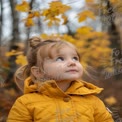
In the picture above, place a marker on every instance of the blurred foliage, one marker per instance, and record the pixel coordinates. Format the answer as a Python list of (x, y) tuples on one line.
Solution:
[(93, 46)]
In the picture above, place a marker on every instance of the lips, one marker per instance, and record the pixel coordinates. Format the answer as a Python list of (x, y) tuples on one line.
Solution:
[(72, 70)]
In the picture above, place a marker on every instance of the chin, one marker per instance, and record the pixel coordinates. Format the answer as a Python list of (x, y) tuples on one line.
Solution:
[(72, 79)]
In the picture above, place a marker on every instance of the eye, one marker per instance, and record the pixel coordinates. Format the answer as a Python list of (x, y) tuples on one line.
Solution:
[(60, 59), (76, 58)]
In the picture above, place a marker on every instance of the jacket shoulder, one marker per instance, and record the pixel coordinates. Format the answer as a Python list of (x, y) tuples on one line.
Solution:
[(29, 98)]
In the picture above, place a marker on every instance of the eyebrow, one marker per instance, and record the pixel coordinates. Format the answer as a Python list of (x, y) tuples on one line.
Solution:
[(75, 54)]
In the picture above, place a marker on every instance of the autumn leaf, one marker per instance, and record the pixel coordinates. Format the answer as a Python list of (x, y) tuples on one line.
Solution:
[(57, 5), (89, 1), (21, 60), (84, 30), (65, 19), (29, 22), (85, 14), (23, 7), (50, 23), (12, 53), (56, 9), (111, 100), (31, 15), (113, 1), (36, 13), (43, 35)]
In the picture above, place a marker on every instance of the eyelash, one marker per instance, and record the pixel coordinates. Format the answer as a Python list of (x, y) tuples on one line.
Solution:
[(76, 58), (62, 59)]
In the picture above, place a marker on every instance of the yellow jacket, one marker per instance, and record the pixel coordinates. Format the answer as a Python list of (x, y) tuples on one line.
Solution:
[(48, 103)]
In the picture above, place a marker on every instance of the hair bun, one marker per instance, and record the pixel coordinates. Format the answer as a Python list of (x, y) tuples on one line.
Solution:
[(34, 41)]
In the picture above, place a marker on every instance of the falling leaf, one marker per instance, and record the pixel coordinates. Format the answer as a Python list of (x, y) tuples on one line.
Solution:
[(21, 60), (23, 7), (12, 53), (111, 100), (85, 14)]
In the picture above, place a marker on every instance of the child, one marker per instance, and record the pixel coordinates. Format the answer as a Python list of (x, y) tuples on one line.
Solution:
[(53, 89)]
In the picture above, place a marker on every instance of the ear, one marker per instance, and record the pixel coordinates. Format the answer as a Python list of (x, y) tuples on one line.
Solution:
[(36, 72)]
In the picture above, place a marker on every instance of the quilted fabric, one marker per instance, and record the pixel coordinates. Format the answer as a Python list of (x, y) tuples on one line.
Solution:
[(46, 102)]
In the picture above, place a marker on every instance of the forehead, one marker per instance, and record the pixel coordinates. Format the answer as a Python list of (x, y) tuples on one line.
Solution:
[(58, 48), (64, 50)]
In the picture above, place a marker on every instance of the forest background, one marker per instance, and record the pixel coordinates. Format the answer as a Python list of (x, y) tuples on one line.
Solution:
[(94, 26)]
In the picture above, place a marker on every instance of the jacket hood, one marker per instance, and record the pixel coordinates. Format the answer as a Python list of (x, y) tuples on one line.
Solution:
[(50, 88)]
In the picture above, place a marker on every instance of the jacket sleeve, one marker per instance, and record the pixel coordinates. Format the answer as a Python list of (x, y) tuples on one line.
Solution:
[(101, 113), (19, 113)]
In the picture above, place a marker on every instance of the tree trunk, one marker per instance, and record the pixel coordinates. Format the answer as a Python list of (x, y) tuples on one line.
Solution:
[(28, 29), (109, 24), (1, 23), (15, 22)]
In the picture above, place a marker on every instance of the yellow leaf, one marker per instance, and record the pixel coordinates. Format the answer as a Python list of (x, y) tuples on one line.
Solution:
[(8, 54), (37, 14), (45, 12), (12, 53), (50, 23), (113, 1), (56, 9), (23, 7), (44, 36), (21, 60), (29, 22), (88, 1), (31, 15), (85, 14), (65, 19), (84, 30), (57, 5), (82, 18), (111, 100)]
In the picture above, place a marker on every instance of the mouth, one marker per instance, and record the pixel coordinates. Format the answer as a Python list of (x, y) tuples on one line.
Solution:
[(72, 70)]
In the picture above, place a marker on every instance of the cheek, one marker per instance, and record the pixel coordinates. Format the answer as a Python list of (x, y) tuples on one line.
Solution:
[(80, 68), (60, 66)]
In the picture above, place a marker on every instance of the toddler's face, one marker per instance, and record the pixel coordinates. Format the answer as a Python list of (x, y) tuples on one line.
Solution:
[(64, 65)]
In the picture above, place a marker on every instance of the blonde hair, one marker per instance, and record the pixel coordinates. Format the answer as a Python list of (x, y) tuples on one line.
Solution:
[(38, 51)]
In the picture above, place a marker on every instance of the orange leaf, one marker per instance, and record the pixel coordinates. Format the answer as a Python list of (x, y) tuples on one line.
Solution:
[(29, 22), (65, 19), (23, 7), (36, 14), (89, 1), (21, 60), (111, 100), (12, 53), (113, 1), (31, 15), (85, 14), (50, 23), (84, 30)]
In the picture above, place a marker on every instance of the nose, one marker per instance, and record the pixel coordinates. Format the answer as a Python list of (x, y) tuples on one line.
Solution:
[(71, 63)]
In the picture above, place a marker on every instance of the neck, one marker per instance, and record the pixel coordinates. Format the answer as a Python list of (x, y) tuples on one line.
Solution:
[(63, 85)]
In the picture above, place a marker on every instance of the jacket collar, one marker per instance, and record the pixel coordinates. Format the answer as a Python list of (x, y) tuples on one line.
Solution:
[(51, 89)]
